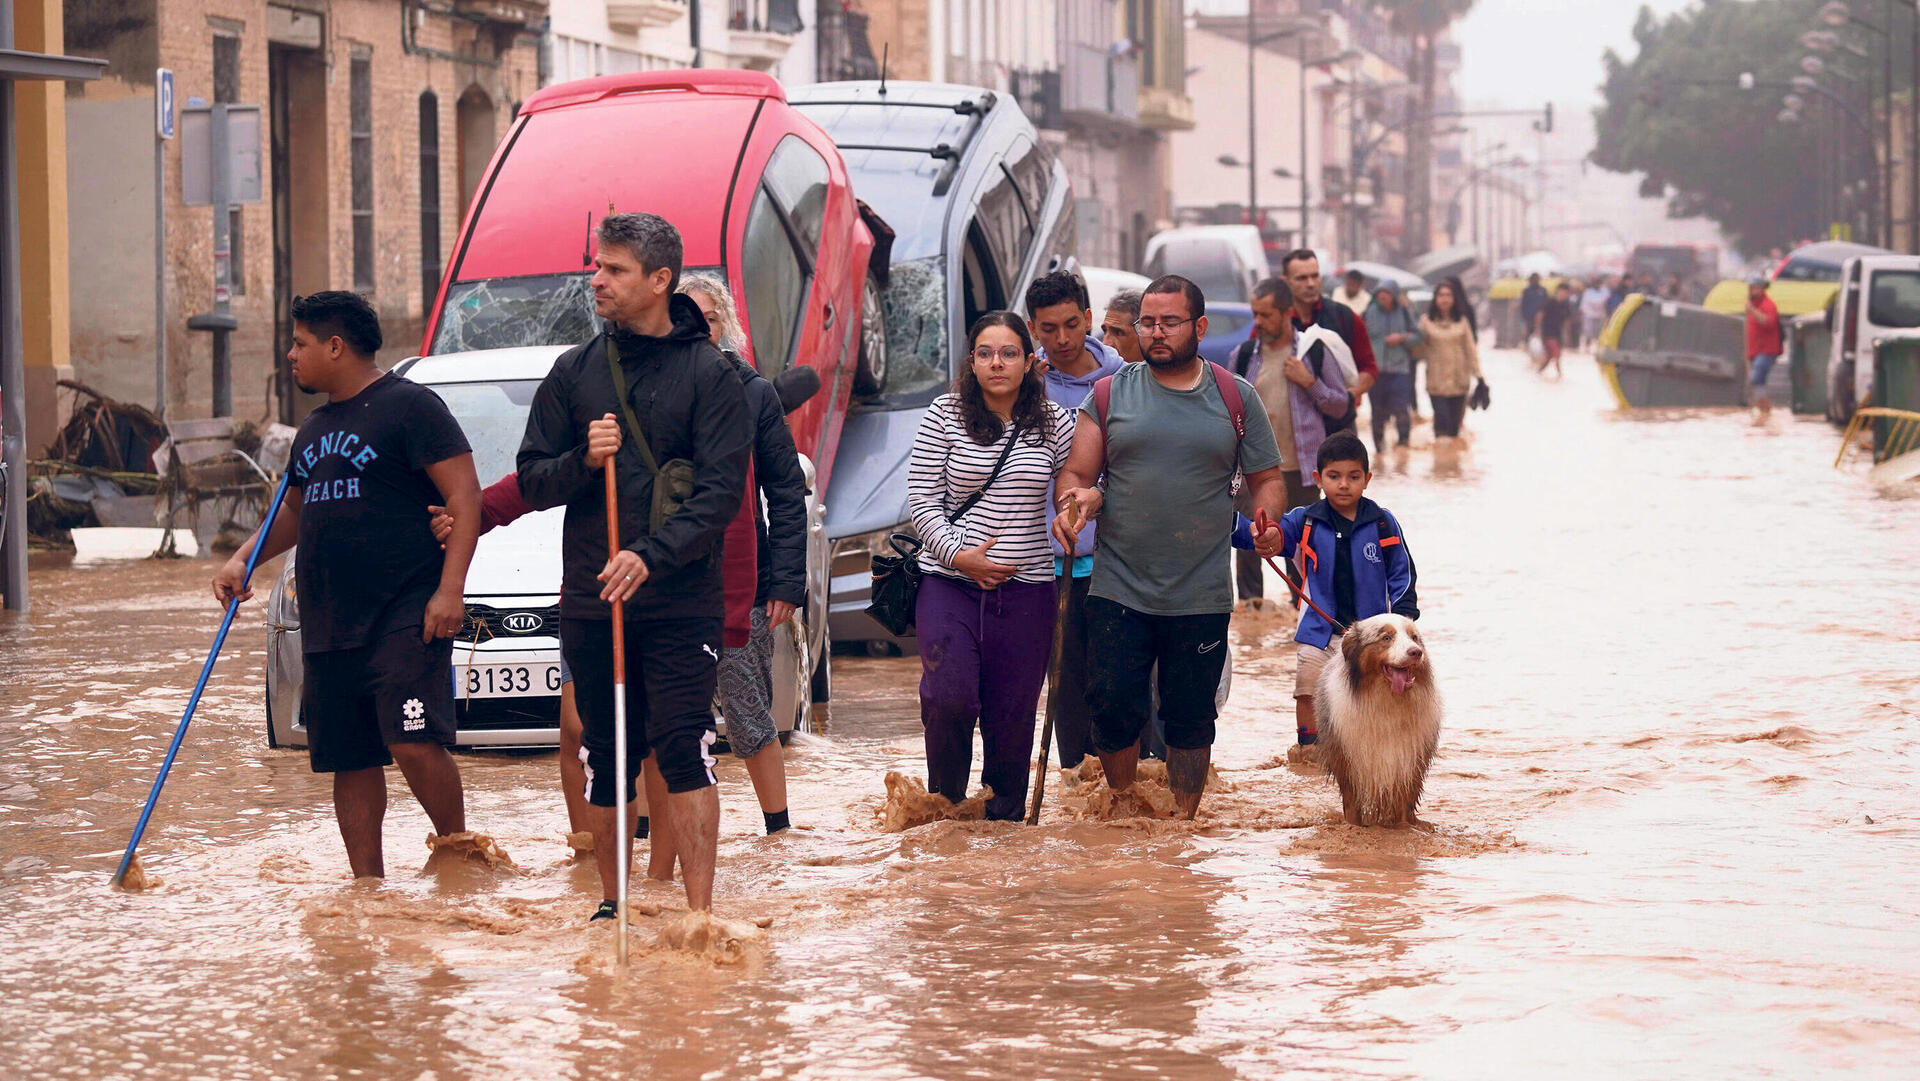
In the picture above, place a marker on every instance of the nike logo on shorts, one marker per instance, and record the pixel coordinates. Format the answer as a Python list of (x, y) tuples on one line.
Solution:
[(1210, 647)]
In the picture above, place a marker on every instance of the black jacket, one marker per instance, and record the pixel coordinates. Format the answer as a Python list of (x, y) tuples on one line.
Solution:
[(782, 531), (688, 398)]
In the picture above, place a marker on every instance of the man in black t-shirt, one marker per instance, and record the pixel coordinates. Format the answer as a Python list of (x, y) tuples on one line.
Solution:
[(1551, 324), (380, 601)]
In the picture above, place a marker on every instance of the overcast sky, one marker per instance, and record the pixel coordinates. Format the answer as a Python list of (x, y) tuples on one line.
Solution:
[(1522, 52)]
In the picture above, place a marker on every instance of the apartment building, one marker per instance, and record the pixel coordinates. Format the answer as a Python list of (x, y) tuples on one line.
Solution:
[(377, 120)]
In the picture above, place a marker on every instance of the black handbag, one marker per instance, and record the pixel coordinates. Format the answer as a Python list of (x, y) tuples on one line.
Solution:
[(895, 593), (1481, 397)]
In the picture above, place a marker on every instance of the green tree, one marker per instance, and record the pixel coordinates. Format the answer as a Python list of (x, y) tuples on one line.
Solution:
[(1422, 22), (1677, 112)]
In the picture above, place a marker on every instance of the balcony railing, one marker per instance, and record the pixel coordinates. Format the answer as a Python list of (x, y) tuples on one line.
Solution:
[(765, 16)]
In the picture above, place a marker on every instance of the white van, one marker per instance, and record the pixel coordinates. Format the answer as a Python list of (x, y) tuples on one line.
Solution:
[(1225, 261), (1879, 298)]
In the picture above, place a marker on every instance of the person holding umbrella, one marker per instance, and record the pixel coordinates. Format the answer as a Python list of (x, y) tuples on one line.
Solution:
[(657, 397)]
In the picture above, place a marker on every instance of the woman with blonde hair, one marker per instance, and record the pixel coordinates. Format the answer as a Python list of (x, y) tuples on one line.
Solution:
[(778, 584)]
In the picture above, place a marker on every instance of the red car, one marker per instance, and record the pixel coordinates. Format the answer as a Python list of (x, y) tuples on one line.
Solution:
[(758, 192)]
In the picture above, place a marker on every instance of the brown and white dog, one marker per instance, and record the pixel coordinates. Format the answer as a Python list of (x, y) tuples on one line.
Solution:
[(1379, 717)]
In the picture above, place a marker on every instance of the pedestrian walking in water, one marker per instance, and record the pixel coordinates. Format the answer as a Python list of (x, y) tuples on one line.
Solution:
[(653, 393), (1764, 337), (1302, 391), (1453, 361), (1550, 324), (1301, 269), (1173, 438), (1532, 299), (1397, 330), (1058, 314), (983, 462), (779, 538), (380, 601), (1593, 311), (1116, 327), (1357, 565)]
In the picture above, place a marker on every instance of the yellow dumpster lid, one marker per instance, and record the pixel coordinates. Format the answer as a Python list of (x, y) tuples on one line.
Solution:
[(1792, 298), (1511, 288)]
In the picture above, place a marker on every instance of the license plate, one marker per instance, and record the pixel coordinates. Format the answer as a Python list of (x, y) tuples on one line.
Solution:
[(506, 680)]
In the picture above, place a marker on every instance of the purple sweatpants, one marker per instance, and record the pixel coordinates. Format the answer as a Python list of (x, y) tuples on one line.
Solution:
[(983, 656)]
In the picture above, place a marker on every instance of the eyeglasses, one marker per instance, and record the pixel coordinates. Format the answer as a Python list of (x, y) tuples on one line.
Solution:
[(1009, 353), (1146, 327)]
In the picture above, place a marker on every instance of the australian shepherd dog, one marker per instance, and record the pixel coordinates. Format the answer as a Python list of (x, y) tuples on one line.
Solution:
[(1379, 718)]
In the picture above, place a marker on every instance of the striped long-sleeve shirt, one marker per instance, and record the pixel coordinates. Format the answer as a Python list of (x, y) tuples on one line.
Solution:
[(948, 466)]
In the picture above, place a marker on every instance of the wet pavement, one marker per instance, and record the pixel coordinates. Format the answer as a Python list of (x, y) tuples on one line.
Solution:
[(1673, 834)]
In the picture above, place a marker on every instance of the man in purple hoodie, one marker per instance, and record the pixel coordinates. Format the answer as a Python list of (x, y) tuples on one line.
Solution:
[(1059, 314)]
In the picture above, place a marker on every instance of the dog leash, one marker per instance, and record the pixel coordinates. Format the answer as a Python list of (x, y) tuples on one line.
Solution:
[(1261, 523)]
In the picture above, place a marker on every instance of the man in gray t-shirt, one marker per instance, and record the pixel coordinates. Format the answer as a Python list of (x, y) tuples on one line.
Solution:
[(1162, 590)]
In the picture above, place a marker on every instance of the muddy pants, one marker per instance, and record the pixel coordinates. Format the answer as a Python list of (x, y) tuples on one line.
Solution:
[(983, 657), (1073, 718)]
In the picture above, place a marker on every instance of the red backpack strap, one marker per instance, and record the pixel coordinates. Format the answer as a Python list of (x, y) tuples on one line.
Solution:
[(1102, 395), (1237, 411)]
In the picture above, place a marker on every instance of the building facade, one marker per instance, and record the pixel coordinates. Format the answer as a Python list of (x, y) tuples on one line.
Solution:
[(377, 121)]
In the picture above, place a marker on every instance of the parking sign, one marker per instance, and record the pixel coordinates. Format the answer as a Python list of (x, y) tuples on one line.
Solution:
[(163, 102)]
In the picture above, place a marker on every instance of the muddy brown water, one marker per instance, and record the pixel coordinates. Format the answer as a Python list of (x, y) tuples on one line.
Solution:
[(1673, 835)]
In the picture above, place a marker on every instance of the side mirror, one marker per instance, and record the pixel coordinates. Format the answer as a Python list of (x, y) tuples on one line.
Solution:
[(796, 387)]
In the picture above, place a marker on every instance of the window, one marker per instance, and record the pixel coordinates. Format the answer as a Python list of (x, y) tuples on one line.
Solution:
[(429, 197), (776, 285), (778, 251), (1004, 223), (1894, 298), (797, 175), (226, 91), (360, 138)]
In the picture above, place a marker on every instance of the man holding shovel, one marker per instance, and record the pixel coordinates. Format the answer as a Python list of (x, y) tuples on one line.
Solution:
[(655, 395)]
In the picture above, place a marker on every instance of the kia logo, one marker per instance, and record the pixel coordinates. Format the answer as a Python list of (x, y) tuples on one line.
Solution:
[(521, 622)]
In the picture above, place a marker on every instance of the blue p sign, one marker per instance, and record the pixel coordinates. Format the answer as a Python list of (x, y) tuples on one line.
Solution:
[(163, 102)]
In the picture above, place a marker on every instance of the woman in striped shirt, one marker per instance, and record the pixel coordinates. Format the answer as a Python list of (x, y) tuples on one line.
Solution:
[(985, 616)]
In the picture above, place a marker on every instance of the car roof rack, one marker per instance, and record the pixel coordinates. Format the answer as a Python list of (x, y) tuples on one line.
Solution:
[(977, 108)]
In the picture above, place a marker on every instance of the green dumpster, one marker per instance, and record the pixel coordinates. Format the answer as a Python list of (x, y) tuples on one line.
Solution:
[(1896, 380), (1807, 351)]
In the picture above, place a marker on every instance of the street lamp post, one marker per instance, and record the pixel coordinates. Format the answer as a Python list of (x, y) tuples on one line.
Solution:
[(1839, 13)]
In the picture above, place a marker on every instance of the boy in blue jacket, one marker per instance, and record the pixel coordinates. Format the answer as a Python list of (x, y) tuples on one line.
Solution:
[(1356, 564)]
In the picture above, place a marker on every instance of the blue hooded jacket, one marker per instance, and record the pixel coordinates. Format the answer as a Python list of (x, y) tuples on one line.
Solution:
[(1383, 572)]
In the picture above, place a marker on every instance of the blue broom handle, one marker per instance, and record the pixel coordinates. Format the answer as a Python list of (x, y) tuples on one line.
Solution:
[(206, 670)]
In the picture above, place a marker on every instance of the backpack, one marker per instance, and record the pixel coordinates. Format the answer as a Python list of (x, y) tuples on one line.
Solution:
[(1229, 393)]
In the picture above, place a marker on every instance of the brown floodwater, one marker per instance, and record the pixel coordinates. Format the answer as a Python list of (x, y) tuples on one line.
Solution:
[(1673, 835)]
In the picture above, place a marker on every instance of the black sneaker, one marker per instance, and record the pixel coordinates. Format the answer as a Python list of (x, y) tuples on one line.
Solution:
[(607, 911)]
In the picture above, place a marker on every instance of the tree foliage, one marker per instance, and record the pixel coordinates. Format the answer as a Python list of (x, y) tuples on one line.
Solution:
[(1677, 113)]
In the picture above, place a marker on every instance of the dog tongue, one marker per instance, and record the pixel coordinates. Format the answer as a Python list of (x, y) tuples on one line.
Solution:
[(1401, 678)]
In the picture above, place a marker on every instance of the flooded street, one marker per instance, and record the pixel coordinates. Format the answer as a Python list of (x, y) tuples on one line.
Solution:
[(1676, 827)]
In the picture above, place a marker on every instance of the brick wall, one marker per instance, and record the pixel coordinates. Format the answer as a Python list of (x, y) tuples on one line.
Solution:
[(185, 33)]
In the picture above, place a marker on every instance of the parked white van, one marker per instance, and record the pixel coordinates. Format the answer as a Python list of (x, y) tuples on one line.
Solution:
[(1225, 261), (1879, 298)]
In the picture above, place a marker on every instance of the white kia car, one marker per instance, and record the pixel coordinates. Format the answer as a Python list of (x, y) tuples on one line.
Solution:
[(506, 661)]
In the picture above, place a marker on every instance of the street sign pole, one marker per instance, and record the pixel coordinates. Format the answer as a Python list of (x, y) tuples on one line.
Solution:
[(222, 265), (163, 131)]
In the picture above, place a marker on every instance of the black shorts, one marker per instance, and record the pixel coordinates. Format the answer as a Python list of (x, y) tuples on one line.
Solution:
[(1125, 645), (672, 670), (357, 702)]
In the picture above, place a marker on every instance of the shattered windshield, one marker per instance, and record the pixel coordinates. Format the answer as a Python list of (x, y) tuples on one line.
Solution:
[(538, 309), (917, 344), (498, 313)]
